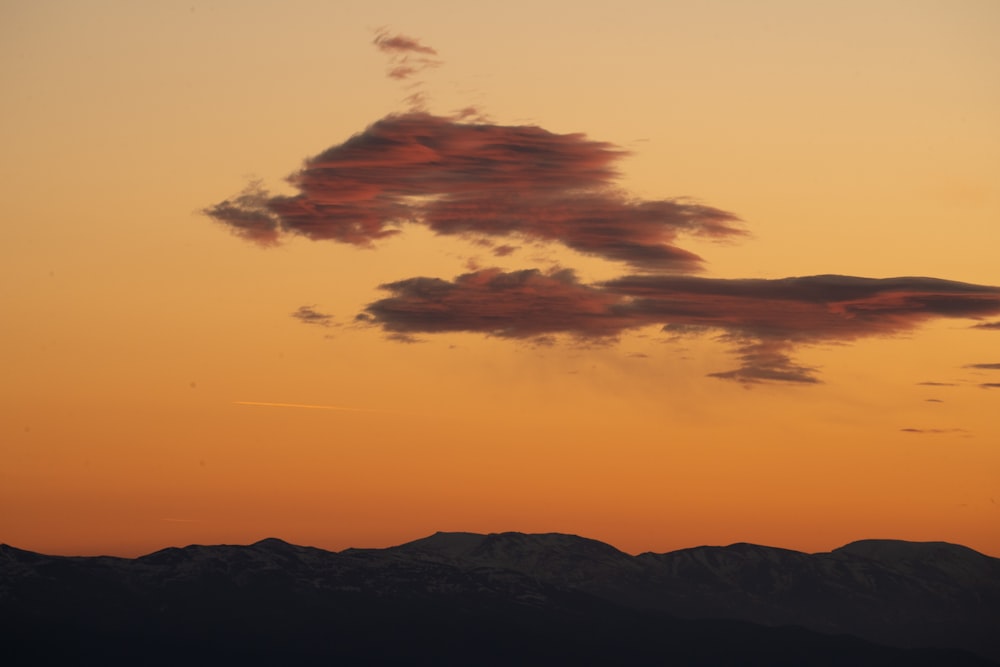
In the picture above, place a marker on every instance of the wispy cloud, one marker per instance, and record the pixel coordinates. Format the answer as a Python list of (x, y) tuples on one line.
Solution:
[(247, 215), (309, 315), (400, 44), (504, 250), (984, 367), (987, 325), (767, 361), (407, 55)]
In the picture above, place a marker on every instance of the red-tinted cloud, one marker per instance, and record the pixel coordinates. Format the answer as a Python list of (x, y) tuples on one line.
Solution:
[(400, 44), (520, 304), (476, 179), (407, 56), (600, 223), (765, 319), (499, 185)]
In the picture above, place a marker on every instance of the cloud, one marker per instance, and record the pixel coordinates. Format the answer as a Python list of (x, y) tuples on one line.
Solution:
[(769, 318), (937, 384), (400, 44), (519, 304), (407, 56), (476, 180), (504, 250), (990, 385), (933, 400), (309, 315), (764, 319), (767, 361), (991, 367), (678, 331), (247, 215), (504, 185)]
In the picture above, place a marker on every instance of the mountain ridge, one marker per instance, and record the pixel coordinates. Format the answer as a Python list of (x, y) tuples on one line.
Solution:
[(479, 536), (913, 596)]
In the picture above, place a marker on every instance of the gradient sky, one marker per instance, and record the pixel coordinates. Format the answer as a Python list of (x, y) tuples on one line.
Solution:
[(349, 273)]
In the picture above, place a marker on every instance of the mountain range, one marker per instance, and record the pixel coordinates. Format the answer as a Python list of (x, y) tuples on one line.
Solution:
[(505, 599)]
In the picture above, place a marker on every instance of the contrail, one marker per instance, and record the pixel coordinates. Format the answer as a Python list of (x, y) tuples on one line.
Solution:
[(310, 407)]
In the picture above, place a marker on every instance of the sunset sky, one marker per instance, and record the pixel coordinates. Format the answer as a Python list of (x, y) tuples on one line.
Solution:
[(658, 273)]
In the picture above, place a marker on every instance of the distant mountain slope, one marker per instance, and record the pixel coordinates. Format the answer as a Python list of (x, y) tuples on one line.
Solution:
[(889, 591), (505, 599)]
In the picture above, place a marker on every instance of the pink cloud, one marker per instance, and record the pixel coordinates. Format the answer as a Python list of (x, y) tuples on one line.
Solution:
[(500, 185), (400, 44), (477, 179), (519, 304), (407, 56)]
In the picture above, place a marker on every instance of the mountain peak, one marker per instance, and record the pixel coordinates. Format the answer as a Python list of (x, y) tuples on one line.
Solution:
[(900, 550), (448, 544), (461, 544), (272, 543), (14, 554), (548, 542)]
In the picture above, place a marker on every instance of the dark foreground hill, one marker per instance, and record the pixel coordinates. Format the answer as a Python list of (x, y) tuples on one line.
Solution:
[(504, 599)]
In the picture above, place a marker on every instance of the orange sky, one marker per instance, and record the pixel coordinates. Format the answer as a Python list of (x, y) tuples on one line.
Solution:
[(157, 389)]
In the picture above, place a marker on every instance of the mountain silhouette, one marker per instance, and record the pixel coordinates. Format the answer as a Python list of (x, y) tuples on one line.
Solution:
[(505, 599)]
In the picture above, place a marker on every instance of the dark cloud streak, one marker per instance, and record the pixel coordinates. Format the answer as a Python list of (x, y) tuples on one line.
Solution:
[(309, 315), (764, 319), (400, 44), (248, 216)]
